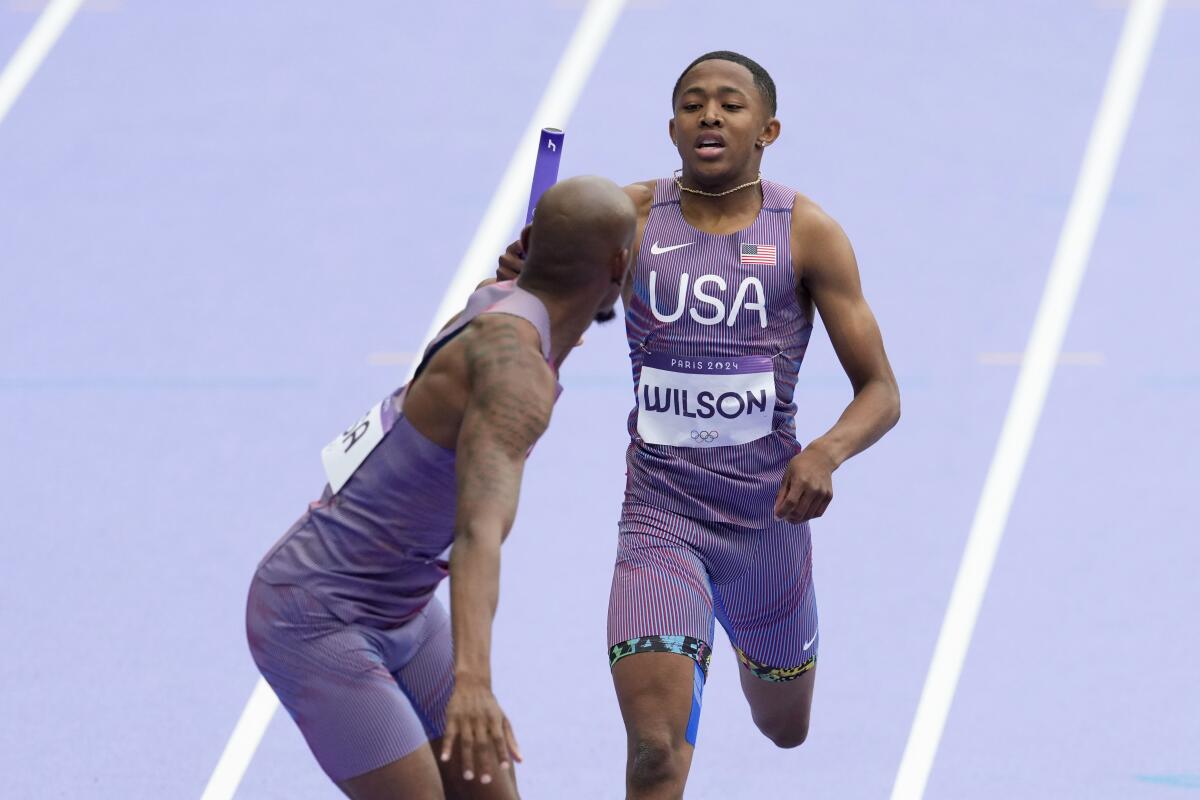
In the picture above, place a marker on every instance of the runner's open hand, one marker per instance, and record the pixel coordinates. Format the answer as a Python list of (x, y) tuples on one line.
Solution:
[(807, 487), (475, 719)]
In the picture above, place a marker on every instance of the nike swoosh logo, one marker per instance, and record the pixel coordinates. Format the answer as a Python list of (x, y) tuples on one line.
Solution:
[(655, 250), (809, 643)]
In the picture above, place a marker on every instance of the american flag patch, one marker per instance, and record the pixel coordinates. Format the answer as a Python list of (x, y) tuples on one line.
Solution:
[(758, 254)]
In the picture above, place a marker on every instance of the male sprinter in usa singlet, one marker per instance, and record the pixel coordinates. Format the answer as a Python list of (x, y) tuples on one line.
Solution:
[(715, 520), (341, 616), (729, 270)]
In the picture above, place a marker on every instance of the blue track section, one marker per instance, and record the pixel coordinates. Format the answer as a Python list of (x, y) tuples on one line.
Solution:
[(214, 217)]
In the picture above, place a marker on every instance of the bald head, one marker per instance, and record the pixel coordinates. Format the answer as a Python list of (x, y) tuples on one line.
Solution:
[(581, 225)]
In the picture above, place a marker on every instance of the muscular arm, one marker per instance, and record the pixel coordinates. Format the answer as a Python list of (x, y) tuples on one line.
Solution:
[(829, 275), (511, 393)]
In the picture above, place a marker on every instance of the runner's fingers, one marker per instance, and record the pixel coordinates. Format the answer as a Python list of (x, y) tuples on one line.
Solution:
[(484, 753), (824, 504), (783, 500), (813, 502), (512, 260), (793, 502), (511, 740), (468, 752), (448, 739), (499, 744), (800, 510)]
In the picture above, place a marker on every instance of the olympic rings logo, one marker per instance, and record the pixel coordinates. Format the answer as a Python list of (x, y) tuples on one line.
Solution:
[(705, 436)]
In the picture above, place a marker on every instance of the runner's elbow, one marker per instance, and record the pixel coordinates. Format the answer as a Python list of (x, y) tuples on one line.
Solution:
[(893, 403)]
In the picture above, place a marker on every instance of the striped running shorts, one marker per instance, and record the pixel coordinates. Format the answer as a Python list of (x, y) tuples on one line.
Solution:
[(675, 575), (362, 696)]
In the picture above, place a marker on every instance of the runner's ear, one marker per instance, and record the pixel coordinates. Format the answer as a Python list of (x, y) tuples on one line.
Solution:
[(620, 265)]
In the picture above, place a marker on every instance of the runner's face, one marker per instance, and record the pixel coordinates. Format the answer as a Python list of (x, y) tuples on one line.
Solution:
[(720, 116)]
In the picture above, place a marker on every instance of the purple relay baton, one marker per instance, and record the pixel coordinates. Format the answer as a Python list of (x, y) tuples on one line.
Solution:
[(545, 171)]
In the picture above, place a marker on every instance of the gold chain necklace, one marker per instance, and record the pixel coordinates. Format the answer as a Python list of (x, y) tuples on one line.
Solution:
[(683, 188)]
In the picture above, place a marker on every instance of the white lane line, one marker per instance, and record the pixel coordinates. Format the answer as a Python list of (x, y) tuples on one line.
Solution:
[(33, 51), (504, 212), (242, 743), (493, 234), (1029, 396)]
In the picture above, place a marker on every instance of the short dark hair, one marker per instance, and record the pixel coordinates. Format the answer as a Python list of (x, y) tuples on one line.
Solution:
[(762, 79)]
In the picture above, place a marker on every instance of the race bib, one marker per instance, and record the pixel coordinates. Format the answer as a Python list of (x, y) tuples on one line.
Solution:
[(347, 452), (705, 402)]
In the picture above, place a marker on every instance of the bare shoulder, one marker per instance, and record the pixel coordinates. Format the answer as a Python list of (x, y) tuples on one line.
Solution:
[(502, 349), (511, 389), (503, 336), (642, 195), (813, 223), (818, 241)]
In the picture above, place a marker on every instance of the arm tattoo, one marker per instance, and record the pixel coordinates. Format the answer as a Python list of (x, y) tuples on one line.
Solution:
[(509, 407)]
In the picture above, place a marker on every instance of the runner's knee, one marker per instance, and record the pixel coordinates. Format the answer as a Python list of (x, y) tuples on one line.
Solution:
[(786, 733), (656, 762)]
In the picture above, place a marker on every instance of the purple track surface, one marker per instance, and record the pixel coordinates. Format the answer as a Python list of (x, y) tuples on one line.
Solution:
[(211, 214)]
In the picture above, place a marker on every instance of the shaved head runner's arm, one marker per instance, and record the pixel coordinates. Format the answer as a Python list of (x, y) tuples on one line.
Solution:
[(511, 394)]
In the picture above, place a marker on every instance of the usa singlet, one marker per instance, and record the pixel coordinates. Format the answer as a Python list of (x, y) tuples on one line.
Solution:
[(716, 337)]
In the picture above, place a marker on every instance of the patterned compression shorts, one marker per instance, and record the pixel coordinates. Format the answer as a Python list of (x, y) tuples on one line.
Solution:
[(362, 696), (675, 575)]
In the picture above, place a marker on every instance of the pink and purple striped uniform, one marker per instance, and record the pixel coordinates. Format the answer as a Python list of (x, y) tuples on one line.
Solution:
[(374, 551), (716, 337), (693, 297), (341, 617)]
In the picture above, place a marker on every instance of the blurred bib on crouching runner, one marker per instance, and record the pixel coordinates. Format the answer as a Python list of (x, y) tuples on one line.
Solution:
[(705, 402), (345, 454)]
